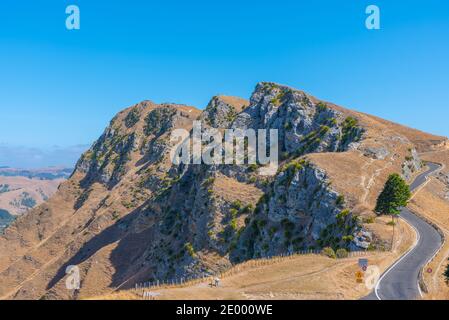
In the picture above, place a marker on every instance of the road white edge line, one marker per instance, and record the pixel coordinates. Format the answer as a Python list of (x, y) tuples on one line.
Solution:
[(399, 260), (415, 244)]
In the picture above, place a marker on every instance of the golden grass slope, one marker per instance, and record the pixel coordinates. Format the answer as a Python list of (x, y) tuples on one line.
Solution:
[(360, 177), (432, 201), (58, 232), (35, 247), (299, 277)]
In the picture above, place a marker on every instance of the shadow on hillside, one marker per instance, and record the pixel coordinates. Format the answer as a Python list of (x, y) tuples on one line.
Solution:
[(123, 257)]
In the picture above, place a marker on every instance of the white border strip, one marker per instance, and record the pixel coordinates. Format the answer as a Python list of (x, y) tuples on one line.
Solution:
[(418, 237)]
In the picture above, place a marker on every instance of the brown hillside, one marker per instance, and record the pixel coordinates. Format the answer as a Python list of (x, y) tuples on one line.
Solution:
[(128, 215)]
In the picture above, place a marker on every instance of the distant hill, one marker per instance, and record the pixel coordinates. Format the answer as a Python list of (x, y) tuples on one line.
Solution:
[(5, 219), (23, 189), (51, 173)]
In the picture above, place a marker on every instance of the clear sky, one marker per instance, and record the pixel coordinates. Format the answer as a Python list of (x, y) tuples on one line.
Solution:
[(61, 88)]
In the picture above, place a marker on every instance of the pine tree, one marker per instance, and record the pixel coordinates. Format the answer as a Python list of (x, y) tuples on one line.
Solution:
[(446, 274), (395, 195)]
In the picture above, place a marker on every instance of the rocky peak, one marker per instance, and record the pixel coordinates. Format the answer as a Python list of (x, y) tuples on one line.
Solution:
[(221, 111), (137, 134), (147, 219), (304, 123)]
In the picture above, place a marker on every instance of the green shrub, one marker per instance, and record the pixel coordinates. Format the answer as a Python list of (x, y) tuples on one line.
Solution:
[(158, 119), (324, 129), (237, 204), (209, 181), (349, 129), (369, 220), (329, 252), (233, 224), (189, 248), (287, 224), (294, 165), (262, 223), (342, 253), (341, 216), (288, 126), (115, 215), (446, 274), (332, 122), (321, 107), (247, 209), (132, 118), (349, 122), (340, 200), (252, 167)]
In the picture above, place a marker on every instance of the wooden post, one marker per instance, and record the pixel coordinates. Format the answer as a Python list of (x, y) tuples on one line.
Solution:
[(392, 241)]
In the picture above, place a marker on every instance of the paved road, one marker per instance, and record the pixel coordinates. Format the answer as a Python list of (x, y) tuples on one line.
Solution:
[(400, 281)]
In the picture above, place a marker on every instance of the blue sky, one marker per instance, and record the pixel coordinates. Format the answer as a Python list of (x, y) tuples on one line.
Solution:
[(60, 88)]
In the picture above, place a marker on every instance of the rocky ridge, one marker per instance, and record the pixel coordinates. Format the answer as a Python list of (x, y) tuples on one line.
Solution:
[(127, 214)]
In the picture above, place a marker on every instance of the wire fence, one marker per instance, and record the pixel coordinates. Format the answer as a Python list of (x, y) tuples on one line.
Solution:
[(143, 287)]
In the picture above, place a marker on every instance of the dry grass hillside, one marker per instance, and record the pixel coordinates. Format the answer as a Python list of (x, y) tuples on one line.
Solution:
[(360, 174), (79, 223), (300, 277), (432, 201), (128, 215), (238, 103)]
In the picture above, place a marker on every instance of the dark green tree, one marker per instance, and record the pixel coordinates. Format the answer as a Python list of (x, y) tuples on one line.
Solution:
[(446, 274), (395, 195)]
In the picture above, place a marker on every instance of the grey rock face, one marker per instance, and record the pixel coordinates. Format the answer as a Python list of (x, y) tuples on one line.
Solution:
[(363, 239), (299, 212), (411, 164), (218, 114), (105, 161), (444, 178), (303, 125), (376, 153)]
